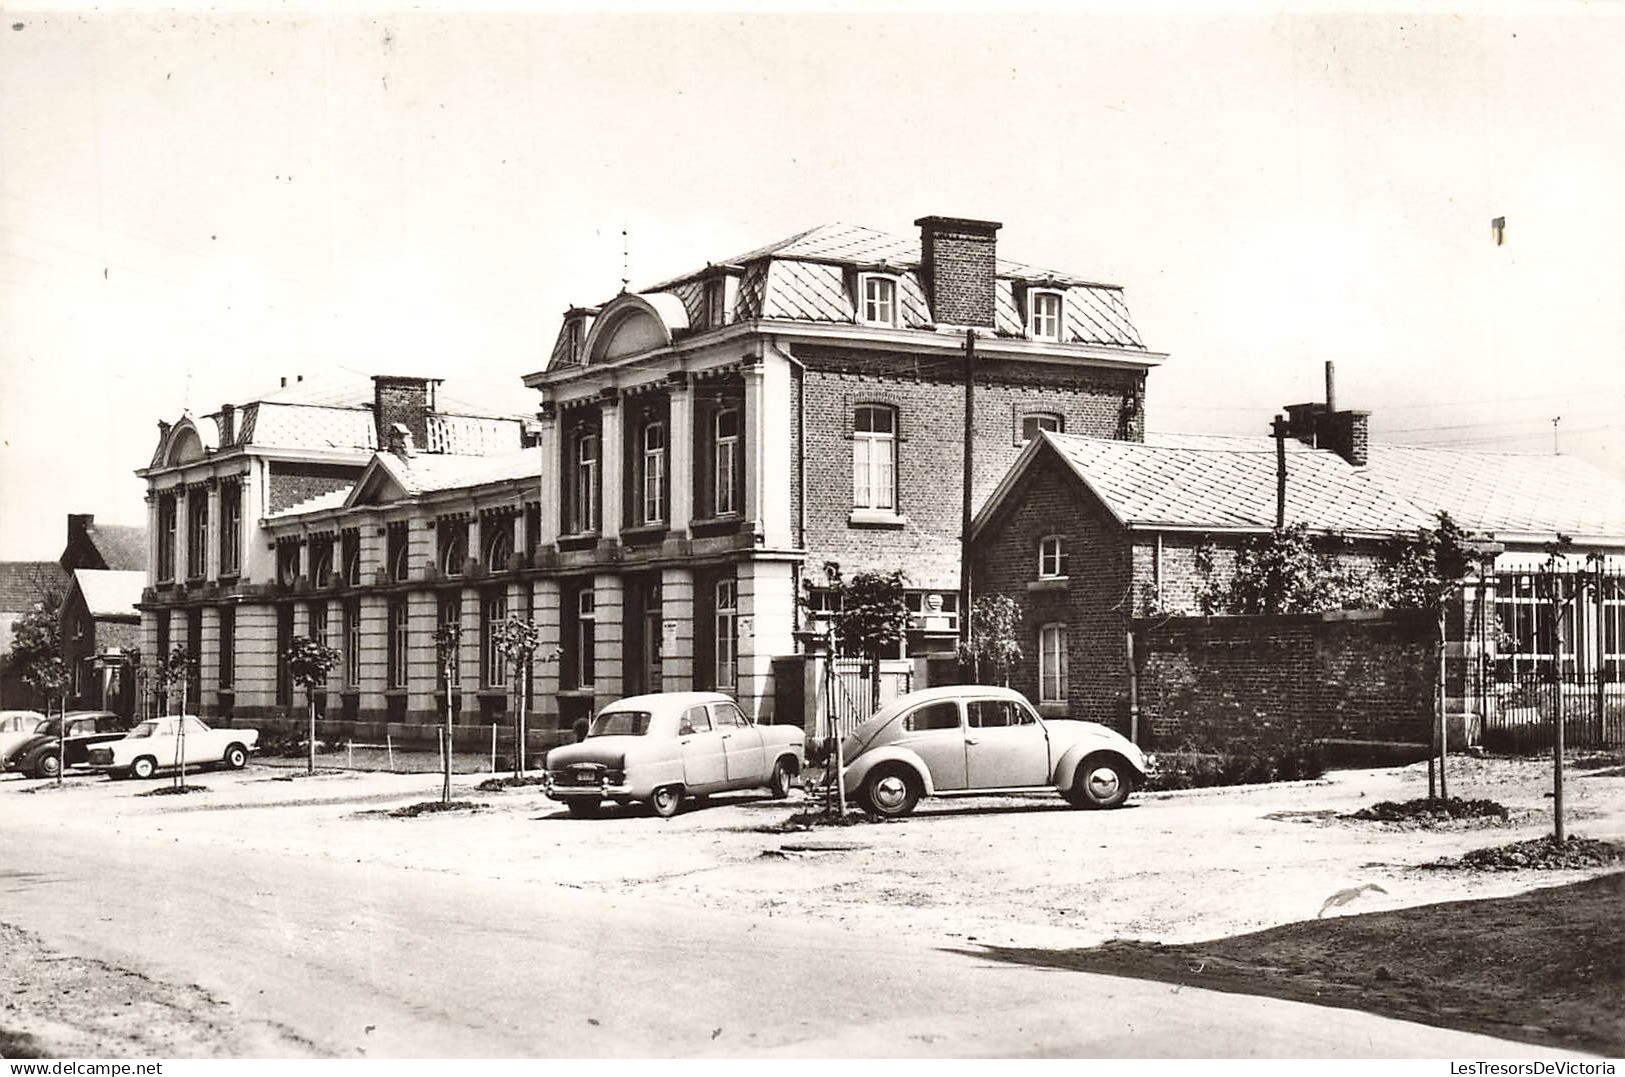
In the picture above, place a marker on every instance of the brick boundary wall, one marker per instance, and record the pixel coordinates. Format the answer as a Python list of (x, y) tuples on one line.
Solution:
[(1362, 677)]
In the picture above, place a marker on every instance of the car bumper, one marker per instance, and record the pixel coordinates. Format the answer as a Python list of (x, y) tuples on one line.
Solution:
[(601, 791)]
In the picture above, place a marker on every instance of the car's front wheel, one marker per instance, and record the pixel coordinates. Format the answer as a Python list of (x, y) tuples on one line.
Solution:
[(783, 780), (666, 800), (891, 791), (144, 768), (1101, 781), (48, 765), (236, 757)]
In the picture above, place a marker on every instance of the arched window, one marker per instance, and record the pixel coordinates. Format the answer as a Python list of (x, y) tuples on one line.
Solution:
[(499, 543), (874, 457), (453, 548)]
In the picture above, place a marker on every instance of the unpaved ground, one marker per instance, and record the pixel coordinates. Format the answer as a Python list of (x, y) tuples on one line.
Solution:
[(1030, 872)]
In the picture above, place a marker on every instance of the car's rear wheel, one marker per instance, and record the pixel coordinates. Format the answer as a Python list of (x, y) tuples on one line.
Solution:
[(144, 768), (236, 757), (1101, 781), (48, 765), (584, 809), (783, 780), (891, 791), (665, 801)]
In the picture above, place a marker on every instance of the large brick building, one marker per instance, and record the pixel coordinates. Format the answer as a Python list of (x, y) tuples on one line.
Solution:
[(700, 448), (713, 441)]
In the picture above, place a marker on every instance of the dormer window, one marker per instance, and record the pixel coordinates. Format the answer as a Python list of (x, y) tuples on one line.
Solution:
[(877, 299), (1044, 315), (716, 302)]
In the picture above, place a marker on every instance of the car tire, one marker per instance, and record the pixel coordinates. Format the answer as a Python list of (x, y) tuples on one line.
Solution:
[(584, 809), (891, 791), (144, 768), (665, 801), (783, 780), (48, 765), (236, 757), (1100, 782)]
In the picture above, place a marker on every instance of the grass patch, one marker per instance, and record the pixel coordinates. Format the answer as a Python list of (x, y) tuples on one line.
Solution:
[(431, 807), (174, 790), (1543, 967), (1538, 854), (497, 785), (1425, 812)]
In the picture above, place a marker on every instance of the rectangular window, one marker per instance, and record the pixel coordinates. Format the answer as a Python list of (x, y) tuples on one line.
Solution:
[(1051, 558), (1032, 423), (878, 305), (725, 461), (1045, 323), (874, 458), (398, 639), (493, 613), (716, 302), (231, 528), (166, 537), (284, 640), (450, 612), (1052, 664), (584, 483), (586, 637), (533, 532), (226, 675), (727, 633), (194, 673), (352, 643), (197, 534), (654, 473)]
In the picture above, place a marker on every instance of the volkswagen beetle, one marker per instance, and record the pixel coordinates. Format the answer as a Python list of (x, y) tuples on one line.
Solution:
[(973, 739)]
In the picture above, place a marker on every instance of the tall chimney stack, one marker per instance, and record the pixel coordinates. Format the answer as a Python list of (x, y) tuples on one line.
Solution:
[(958, 261), (404, 402), (1331, 385)]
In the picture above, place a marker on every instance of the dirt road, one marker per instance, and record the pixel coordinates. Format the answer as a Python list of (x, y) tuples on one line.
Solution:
[(518, 930)]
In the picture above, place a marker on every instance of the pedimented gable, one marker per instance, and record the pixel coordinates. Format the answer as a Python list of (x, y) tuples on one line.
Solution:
[(379, 485)]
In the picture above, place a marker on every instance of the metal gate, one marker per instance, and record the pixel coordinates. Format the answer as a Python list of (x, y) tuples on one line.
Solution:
[(846, 691)]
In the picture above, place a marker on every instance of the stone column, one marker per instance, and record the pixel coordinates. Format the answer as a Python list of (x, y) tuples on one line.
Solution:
[(611, 465), (767, 612), (680, 453), (211, 555), (152, 548), (768, 426), (182, 525), (609, 653), (552, 467), (545, 670), (256, 660), (677, 630)]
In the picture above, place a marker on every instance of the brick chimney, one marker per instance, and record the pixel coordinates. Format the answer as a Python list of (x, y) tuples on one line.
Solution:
[(1345, 433), (79, 525), (403, 402), (957, 262)]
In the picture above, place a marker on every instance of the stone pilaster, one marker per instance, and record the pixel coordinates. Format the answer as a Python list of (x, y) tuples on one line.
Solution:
[(374, 655), (680, 453), (609, 600), (208, 656), (677, 629), (545, 670), (767, 612), (552, 468), (422, 677), (611, 467), (256, 659)]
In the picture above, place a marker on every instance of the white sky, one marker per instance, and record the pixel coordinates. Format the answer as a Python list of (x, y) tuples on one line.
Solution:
[(192, 205)]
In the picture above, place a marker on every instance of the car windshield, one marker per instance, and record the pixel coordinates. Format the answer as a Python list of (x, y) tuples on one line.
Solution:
[(145, 729), (620, 724)]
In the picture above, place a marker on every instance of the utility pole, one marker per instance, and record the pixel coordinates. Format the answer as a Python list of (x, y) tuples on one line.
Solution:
[(1557, 450), (964, 526)]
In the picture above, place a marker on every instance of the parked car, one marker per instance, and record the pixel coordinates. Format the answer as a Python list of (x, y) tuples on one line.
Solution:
[(15, 728), (156, 744), (974, 739), (43, 754), (661, 748)]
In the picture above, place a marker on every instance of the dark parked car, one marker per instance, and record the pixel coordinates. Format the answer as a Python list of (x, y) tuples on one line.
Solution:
[(42, 756)]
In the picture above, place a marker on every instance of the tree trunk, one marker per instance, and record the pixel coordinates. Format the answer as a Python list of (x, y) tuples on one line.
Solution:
[(445, 751), (310, 703)]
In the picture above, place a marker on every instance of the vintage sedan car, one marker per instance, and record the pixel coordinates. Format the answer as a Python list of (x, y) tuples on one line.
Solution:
[(156, 743), (51, 747), (658, 749), (15, 728), (971, 739)]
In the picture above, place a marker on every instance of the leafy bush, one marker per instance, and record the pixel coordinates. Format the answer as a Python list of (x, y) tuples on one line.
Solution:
[(1424, 810), (1538, 854), (1244, 763)]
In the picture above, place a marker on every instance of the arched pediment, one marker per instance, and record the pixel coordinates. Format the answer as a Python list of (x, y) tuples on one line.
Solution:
[(634, 324), (188, 442)]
